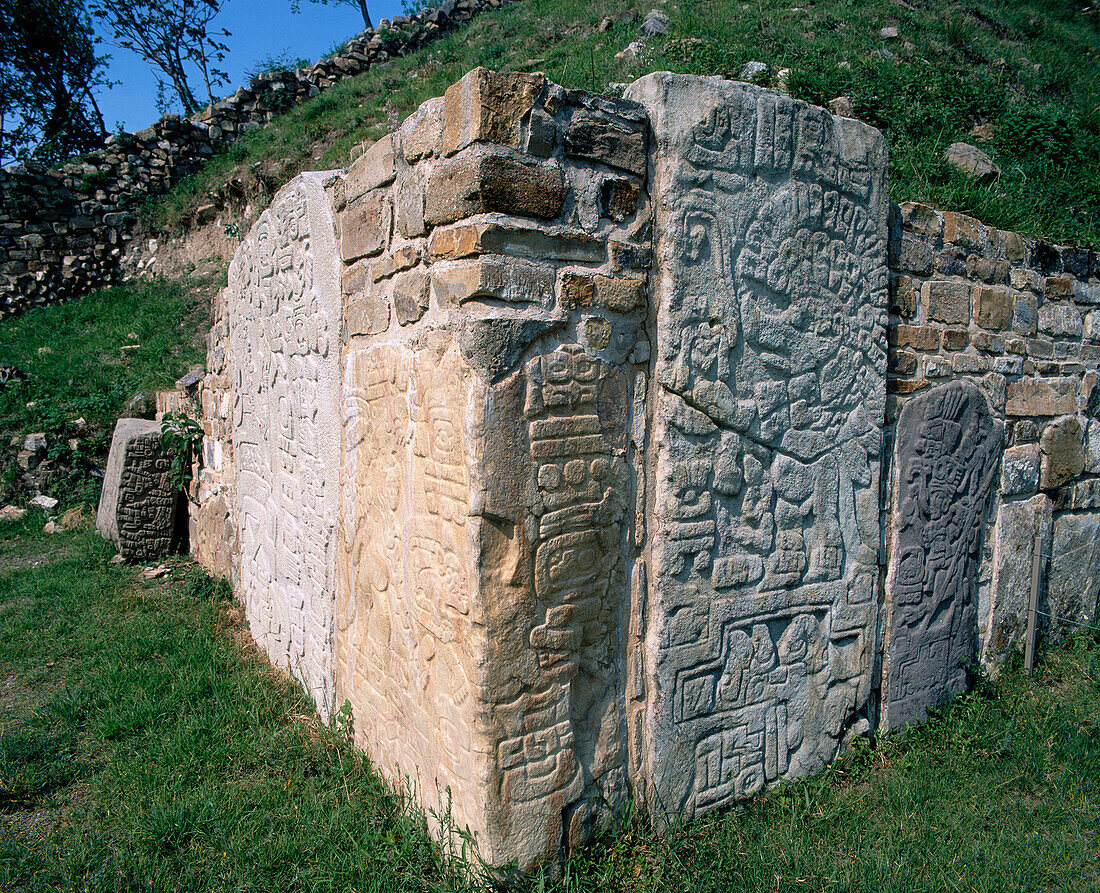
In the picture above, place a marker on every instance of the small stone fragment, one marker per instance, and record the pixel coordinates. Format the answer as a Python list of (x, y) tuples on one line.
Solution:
[(655, 23), (971, 161), (46, 503), (12, 513)]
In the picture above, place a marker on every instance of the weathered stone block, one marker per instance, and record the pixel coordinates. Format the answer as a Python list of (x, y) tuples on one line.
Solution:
[(491, 279), (947, 301), (541, 243), (765, 415), (466, 185), (956, 339), (921, 219), (1073, 585), (1062, 446), (613, 136), (367, 307), (994, 308), (917, 337), (365, 226), (914, 255), (1041, 397), (619, 198), (945, 466), (1020, 470), (410, 296), (1060, 320), (487, 106), (137, 509), (1005, 617), (372, 169), (422, 131)]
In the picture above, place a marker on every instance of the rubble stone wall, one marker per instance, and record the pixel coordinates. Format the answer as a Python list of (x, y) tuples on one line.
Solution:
[(64, 232), (1020, 319), (598, 448)]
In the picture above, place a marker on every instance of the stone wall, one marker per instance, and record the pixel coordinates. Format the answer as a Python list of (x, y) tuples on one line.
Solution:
[(1020, 319), (64, 232), (601, 448)]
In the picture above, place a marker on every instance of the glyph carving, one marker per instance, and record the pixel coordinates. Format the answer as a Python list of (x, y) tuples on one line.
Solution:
[(945, 465), (137, 509), (284, 322), (771, 298)]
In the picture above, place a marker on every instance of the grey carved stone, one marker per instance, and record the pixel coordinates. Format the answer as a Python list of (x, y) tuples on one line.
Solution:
[(945, 465), (284, 312), (137, 509), (770, 277), (1074, 582)]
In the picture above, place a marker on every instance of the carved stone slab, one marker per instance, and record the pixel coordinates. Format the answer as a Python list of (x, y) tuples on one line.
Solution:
[(137, 509), (945, 464), (284, 311), (770, 356)]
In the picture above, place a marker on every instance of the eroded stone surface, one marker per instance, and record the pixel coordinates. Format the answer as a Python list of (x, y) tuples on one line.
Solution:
[(945, 464), (1074, 584), (284, 312), (137, 509), (770, 356), (1005, 625)]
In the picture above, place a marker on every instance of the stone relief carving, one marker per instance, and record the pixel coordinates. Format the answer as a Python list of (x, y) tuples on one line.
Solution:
[(570, 515), (137, 509), (284, 318), (771, 361), (948, 450)]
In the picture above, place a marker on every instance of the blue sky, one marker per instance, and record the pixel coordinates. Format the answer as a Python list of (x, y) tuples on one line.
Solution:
[(259, 29)]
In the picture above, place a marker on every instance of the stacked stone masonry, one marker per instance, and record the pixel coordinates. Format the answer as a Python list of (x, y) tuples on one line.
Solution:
[(571, 440), (1019, 319), (65, 232)]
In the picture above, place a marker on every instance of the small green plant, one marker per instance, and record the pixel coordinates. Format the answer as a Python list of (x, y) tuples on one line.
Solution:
[(181, 437), (345, 722), (234, 230)]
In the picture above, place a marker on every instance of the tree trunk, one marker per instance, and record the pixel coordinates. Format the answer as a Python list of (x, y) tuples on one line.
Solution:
[(366, 14)]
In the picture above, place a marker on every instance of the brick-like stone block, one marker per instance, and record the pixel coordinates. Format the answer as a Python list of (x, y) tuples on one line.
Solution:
[(955, 339), (366, 306), (422, 131), (1042, 397), (1057, 287), (479, 183), (138, 505), (410, 296), (1020, 470), (994, 307), (492, 279), (922, 219), (965, 231), (947, 301), (619, 198), (914, 255), (605, 134), (487, 106), (1060, 320), (1062, 446), (374, 168), (917, 337), (549, 243), (904, 291), (365, 226)]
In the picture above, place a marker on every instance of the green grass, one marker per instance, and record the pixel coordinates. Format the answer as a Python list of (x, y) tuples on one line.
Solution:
[(1029, 68), (144, 747), (73, 355)]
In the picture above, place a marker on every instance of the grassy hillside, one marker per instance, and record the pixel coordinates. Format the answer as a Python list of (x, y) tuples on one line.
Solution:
[(1026, 72)]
